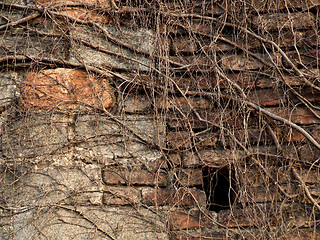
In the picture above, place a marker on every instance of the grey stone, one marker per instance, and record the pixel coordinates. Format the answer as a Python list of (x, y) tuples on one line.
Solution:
[(85, 222), (23, 42), (9, 82), (103, 140), (136, 103), (36, 136), (123, 57), (36, 187)]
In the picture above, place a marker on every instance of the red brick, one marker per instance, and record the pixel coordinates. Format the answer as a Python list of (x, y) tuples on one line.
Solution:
[(243, 62), (212, 158), (194, 84), (253, 136), (309, 175), (182, 103), (276, 21), (205, 235), (297, 115), (175, 159), (128, 177), (262, 193), (236, 218), (194, 63), (196, 7), (194, 122), (264, 97), (300, 39), (183, 139), (277, 5), (309, 153), (297, 234), (303, 234), (255, 176), (189, 177), (258, 217), (183, 45), (310, 94), (309, 58), (121, 196), (63, 88), (249, 80), (284, 38), (179, 220), (246, 42), (181, 197)]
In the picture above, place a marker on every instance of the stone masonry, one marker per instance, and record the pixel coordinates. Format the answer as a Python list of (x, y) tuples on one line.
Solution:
[(136, 120)]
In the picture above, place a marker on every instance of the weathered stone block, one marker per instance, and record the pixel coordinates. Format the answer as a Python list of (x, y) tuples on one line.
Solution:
[(38, 136), (105, 53), (9, 82), (18, 41), (83, 222), (102, 139), (79, 12), (135, 103), (62, 88), (33, 187), (130, 177)]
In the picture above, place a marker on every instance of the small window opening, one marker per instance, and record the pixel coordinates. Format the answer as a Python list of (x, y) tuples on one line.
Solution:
[(220, 188)]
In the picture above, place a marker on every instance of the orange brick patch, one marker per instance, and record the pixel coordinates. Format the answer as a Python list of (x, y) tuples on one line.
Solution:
[(64, 89)]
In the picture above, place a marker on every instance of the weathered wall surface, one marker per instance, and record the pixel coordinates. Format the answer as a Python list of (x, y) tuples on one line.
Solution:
[(162, 120)]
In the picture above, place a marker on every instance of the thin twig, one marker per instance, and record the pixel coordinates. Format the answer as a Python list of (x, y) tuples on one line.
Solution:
[(305, 188)]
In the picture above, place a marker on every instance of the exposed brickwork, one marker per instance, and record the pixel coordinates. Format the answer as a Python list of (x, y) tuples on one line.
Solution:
[(133, 177), (180, 197), (179, 220), (121, 196)]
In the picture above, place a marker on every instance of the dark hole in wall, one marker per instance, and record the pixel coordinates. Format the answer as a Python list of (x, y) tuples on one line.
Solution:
[(220, 188)]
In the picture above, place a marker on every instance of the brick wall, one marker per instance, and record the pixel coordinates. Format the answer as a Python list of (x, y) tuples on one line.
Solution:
[(163, 120)]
